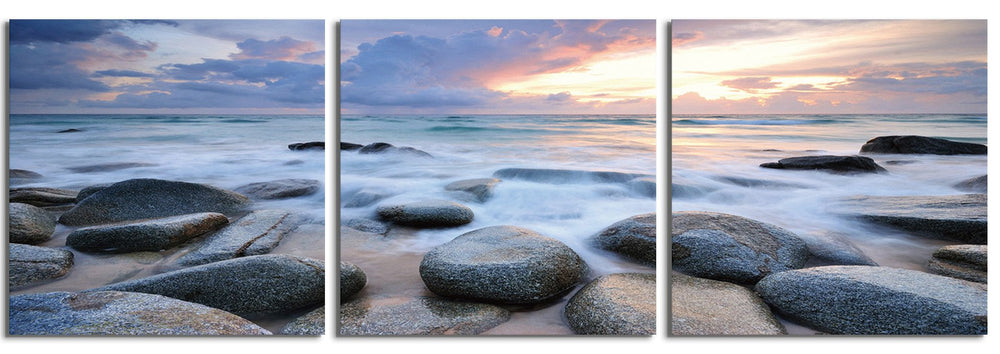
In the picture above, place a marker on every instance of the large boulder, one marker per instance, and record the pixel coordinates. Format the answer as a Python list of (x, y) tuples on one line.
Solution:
[(836, 164), (42, 196), (151, 198), (352, 280), (310, 324), (913, 144), (864, 300), (966, 262), (118, 314), (835, 248), (634, 237), (27, 264), (732, 248), (248, 286), (256, 233), (558, 176), (480, 188), (974, 185), (502, 264), (29, 224), (615, 304), (400, 316), (952, 217), (279, 189), (704, 307), (428, 213), (145, 235)]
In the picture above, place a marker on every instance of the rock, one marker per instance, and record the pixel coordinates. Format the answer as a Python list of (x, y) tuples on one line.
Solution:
[(966, 262), (90, 190), (71, 130), (108, 167), (428, 213), (279, 189), (615, 304), (41, 196), (912, 144), (352, 280), (950, 217), (481, 188), (686, 191), (312, 145), (837, 164), (566, 176), (634, 237), (502, 264), (16, 174), (136, 199), (758, 183), (29, 224), (644, 186), (836, 249), (703, 307), (367, 225), (975, 185), (145, 235), (400, 316), (381, 148), (349, 146), (256, 233), (247, 286), (120, 313), (867, 300), (364, 198), (28, 264), (732, 248), (310, 324)]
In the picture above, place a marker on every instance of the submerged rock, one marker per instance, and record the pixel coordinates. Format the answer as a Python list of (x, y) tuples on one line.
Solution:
[(429, 213), (835, 249), (566, 176), (863, 300), (953, 217), (481, 188), (634, 237), (966, 262), (644, 186), (913, 144), (279, 189), (615, 304), (42, 196), (838, 164), (256, 233), (758, 183), (975, 184), (145, 235), (116, 313), (27, 264), (310, 324), (502, 264), (381, 148), (29, 224), (22, 174), (703, 307), (400, 316), (350, 146), (108, 167), (312, 145), (364, 197), (366, 225), (352, 280)]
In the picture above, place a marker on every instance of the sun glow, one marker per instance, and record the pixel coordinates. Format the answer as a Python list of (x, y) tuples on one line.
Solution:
[(605, 81)]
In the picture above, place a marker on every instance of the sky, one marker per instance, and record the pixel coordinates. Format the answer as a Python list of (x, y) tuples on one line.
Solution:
[(163, 66), (827, 66), (498, 66)]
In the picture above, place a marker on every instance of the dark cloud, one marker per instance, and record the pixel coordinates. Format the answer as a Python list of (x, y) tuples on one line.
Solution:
[(51, 66), (284, 48), (121, 73), (59, 31)]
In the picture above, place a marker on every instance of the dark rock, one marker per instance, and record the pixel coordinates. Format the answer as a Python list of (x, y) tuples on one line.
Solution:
[(312, 145), (151, 198), (400, 316), (352, 280), (22, 174), (350, 146), (145, 235), (71, 130), (565, 176), (975, 184), (481, 188), (758, 183), (615, 304), (732, 248), (256, 233), (367, 225), (838, 164), (42, 197), (120, 313), (502, 264), (634, 237), (90, 190), (951, 217), (912, 144), (703, 307), (865, 300), (375, 148), (430, 213), (247, 286), (310, 324), (381, 148), (108, 167), (966, 262), (29, 224), (279, 189), (644, 186), (28, 264), (686, 191), (364, 198), (835, 249)]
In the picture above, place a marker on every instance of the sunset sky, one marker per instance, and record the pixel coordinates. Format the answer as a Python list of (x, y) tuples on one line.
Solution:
[(160, 66), (751, 67), (498, 67)]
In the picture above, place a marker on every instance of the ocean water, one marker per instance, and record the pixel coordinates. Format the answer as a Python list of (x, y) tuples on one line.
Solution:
[(709, 152)]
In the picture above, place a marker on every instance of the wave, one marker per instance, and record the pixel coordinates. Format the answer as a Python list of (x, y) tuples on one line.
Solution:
[(754, 121)]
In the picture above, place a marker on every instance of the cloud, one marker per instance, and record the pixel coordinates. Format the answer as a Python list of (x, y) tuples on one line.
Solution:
[(683, 38), (51, 66), (751, 84), (284, 48), (58, 31), (121, 73)]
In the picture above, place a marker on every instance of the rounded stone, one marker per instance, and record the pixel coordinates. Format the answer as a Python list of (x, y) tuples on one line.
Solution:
[(279, 189), (400, 316), (310, 324), (704, 307), (634, 237), (145, 235), (29, 224), (615, 304), (431, 213), (27, 264), (352, 280)]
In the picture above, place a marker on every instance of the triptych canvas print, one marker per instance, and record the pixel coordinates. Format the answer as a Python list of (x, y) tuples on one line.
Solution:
[(496, 178)]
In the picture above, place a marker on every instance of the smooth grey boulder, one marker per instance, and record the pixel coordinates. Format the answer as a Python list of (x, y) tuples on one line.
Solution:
[(428, 213), (557, 176), (256, 233), (364, 198), (864, 300), (634, 237), (966, 262), (28, 264), (144, 235), (951, 217), (381, 148), (481, 188), (312, 145), (913, 144), (615, 304), (352, 280), (705, 307), (14, 173), (836, 164), (90, 190), (367, 225), (732, 248), (279, 189), (836, 249), (29, 224), (116, 313), (502, 264), (310, 324), (974, 185), (407, 316), (42, 196), (108, 167), (136, 199), (247, 286)]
